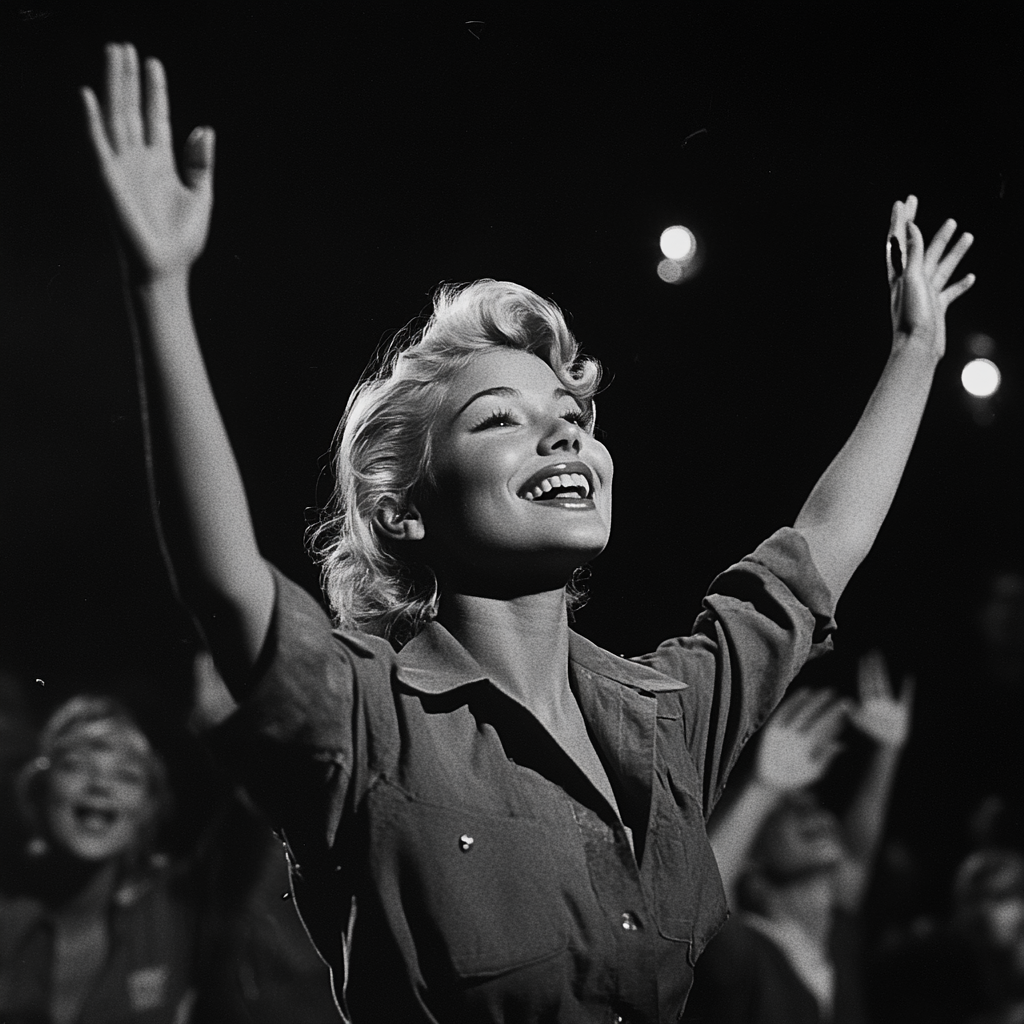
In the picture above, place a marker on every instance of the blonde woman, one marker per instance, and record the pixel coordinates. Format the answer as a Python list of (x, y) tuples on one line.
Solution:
[(490, 817)]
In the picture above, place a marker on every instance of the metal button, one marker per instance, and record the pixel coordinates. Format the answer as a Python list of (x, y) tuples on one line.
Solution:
[(629, 922), (465, 843)]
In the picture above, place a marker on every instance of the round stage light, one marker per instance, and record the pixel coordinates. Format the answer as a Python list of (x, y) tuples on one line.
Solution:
[(677, 242), (980, 377)]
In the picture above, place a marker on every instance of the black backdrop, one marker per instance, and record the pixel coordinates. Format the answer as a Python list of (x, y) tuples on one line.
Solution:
[(364, 158)]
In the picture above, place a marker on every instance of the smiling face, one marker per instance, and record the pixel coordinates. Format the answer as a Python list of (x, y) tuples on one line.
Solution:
[(523, 492), (98, 801)]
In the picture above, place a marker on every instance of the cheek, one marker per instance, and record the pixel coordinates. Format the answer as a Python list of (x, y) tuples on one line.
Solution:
[(64, 790)]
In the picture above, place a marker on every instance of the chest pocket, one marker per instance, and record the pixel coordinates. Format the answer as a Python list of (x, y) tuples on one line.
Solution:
[(476, 894), (691, 903)]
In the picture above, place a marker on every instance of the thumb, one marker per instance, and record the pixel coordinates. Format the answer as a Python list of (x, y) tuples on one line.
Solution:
[(198, 164)]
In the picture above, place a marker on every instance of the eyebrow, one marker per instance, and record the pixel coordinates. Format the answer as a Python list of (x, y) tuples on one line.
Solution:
[(507, 392)]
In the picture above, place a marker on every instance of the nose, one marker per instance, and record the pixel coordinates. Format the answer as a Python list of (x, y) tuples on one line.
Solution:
[(98, 781), (561, 436)]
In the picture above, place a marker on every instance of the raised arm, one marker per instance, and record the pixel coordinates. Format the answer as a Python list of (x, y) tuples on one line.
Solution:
[(844, 512), (796, 747), (161, 224), (885, 719)]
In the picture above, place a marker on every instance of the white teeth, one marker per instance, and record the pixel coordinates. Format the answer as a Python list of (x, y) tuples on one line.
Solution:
[(559, 482), (581, 481)]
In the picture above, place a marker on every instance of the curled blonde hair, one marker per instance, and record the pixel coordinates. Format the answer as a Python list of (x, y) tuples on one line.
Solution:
[(384, 444)]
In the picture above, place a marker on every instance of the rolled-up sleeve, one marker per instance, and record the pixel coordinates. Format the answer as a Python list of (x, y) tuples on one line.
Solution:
[(296, 741), (762, 620)]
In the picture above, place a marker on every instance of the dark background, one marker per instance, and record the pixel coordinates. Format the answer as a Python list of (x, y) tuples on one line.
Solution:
[(364, 158)]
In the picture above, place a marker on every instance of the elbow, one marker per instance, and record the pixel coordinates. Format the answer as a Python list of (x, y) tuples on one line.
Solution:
[(835, 557)]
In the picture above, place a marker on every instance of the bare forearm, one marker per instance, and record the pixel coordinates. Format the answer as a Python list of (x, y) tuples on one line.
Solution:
[(732, 830), (864, 821), (845, 511), (199, 501)]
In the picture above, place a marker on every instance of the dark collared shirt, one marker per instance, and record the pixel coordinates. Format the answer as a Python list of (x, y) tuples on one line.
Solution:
[(490, 880)]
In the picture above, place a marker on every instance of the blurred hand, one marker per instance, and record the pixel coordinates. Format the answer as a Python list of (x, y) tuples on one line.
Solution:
[(917, 277), (879, 714), (162, 222), (798, 743)]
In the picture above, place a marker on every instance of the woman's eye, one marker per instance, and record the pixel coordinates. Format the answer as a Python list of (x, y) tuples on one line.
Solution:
[(581, 417), (502, 418)]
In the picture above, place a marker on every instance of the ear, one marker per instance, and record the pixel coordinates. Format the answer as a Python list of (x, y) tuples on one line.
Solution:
[(400, 524)]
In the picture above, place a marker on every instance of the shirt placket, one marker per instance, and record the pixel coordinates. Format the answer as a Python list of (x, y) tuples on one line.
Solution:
[(625, 728), (616, 883)]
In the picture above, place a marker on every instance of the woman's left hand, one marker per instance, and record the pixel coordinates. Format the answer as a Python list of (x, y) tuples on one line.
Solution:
[(879, 713), (918, 276)]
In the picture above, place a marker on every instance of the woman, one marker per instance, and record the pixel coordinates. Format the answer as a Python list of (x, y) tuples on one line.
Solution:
[(96, 931), (499, 821)]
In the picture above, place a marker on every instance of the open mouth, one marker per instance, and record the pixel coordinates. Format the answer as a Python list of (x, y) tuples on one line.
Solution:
[(94, 819), (567, 481)]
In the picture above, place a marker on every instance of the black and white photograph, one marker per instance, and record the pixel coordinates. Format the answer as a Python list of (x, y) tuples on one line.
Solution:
[(334, 685)]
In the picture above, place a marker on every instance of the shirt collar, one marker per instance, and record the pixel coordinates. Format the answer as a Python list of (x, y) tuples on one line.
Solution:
[(435, 662)]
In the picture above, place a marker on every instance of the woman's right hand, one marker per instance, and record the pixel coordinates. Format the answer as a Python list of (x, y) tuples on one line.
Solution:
[(162, 222)]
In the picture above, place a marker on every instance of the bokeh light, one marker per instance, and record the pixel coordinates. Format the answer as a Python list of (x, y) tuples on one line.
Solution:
[(671, 271), (677, 242), (981, 377)]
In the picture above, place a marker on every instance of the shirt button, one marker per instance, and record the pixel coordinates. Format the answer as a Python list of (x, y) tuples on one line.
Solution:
[(465, 843), (629, 922)]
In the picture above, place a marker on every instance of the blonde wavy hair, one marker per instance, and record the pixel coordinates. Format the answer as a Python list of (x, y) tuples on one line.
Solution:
[(383, 447)]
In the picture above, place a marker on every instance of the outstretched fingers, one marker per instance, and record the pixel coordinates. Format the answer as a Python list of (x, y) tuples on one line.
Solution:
[(124, 119), (803, 707), (951, 261), (97, 125), (938, 244), (158, 117), (873, 676), (954, 291), (821, 714)]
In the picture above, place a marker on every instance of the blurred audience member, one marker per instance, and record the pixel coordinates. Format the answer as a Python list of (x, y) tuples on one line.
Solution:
[(92, 930), (261, 967), (988, 915), (795, 871), (963, 783)]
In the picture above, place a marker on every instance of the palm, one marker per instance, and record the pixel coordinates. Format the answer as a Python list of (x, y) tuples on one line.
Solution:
[(879, 713), (799, 741), (918, 295), (162, 221)]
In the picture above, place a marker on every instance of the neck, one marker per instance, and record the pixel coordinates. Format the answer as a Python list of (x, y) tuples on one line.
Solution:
[(807, 903), (521, 641), (84, 889)]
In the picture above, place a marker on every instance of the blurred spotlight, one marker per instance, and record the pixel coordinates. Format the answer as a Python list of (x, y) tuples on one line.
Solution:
[(678, 243), (683, 257), (671, 271), (980, 377)]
